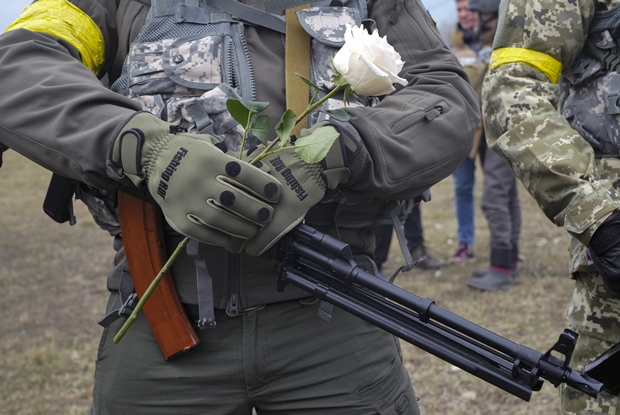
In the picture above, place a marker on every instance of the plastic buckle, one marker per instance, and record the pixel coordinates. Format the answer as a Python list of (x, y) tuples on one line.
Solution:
[(128, 306)]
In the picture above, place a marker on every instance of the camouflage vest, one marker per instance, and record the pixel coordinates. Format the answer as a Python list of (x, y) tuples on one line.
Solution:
[(191, 56), (590, 88)]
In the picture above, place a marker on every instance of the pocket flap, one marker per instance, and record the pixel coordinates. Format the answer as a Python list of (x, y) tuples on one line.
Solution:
[(196, 61), (327, 24)]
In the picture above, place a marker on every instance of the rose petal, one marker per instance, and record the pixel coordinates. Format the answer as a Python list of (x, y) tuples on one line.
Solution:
[(368, 62), (365, 78), (341, 60), (395, 79)]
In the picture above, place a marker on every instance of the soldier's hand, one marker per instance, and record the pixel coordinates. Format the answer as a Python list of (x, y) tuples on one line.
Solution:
[(203, 192), (604, 248), (303, 186)]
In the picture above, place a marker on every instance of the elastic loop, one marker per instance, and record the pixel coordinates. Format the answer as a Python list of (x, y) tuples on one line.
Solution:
[(548, 65)]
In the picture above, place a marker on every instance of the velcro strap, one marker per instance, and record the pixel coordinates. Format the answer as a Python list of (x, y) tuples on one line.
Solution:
[(128, 153)]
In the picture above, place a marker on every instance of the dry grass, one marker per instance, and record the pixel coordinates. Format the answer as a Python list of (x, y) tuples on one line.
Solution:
[(52, 291), (531, 313)]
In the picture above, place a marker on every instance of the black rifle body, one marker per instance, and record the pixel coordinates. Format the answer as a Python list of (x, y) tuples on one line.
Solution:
[(324, 267)]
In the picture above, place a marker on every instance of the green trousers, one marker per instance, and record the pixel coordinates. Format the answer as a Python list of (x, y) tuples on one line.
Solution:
[(282, 359), (595, 314)]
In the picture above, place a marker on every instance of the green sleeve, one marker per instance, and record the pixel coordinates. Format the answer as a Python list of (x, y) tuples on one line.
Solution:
[(523, 123)]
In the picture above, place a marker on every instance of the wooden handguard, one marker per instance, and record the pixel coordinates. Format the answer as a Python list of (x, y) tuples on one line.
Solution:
[(143, 238)]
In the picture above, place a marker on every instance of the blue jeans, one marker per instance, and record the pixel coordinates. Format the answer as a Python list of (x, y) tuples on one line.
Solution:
[(464, 200)]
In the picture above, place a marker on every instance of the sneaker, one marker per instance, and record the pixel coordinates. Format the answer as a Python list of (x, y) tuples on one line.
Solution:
[(426, 260), (492, 280), (463, 255)]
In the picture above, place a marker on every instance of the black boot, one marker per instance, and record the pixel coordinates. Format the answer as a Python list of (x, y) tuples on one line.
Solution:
[(427, 261)]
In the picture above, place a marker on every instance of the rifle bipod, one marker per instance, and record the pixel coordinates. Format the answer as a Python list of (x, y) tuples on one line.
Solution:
[(324, 267)]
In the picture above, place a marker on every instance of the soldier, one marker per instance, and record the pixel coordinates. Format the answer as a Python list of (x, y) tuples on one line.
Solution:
[(164, 129), (550, 110)]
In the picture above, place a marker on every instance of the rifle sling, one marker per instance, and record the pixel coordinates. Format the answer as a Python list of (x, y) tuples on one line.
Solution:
[(143, 239), (296, 60)]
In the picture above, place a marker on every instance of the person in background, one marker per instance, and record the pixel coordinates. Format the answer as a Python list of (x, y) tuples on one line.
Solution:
[(550, 110), (466, 44), (500, 198), (414, 234)]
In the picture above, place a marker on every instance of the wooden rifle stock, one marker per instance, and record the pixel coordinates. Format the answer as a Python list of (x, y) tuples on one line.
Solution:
[(143, 238)]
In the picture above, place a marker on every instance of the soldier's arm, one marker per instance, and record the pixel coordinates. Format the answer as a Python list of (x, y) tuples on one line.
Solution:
[(421, 133), (535, 40), (54, 109)]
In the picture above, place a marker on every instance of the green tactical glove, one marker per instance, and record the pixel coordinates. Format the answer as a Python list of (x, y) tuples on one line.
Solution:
[(204, 193), (303, 186)]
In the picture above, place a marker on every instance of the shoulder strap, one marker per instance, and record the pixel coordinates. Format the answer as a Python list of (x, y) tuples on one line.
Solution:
[(296, 60), (250, 14)]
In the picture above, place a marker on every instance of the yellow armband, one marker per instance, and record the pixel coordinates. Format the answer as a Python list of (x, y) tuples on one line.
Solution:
[(62, 19), (551, 67)]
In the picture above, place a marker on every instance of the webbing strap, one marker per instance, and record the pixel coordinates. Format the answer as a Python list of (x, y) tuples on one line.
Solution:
[(273, 6), (206, 313), (201, 118), (296, 60), (250, 14), (402, 242)]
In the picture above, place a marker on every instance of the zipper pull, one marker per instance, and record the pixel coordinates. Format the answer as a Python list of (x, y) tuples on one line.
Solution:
[(232, 306), (433, 113)]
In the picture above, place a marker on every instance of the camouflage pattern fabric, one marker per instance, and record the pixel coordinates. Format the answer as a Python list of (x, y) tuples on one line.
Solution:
[(326, 25), (594, 315), (214, 103), (557, 166), (588, 98)]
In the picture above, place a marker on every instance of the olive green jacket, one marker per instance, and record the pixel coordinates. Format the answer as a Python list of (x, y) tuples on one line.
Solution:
[(58, 114)]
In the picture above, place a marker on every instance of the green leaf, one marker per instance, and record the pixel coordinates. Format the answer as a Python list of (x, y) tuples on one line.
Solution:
[(260, 128), (285, 126), (339, 115), (306, 80), (239, 112), (314, 147), (254, 106)]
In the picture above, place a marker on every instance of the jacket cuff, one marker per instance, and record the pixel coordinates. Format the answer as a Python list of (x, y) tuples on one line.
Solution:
[(583, 217)]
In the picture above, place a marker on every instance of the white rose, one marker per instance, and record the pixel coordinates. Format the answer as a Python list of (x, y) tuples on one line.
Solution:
[(368, 62)]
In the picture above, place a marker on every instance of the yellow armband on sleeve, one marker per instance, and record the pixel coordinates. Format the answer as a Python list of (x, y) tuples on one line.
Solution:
[(548, 65), (62, 19)]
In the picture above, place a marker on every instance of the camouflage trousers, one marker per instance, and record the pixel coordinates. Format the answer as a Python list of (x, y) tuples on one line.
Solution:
[(595, 314)]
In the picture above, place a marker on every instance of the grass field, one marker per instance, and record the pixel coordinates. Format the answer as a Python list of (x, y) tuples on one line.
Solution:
[(52, 291)]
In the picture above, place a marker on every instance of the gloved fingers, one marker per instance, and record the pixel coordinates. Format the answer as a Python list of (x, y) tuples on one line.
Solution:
[(243, 201), (199, 232), (263, 241), (254, 180), (209, 235), (218, 217)]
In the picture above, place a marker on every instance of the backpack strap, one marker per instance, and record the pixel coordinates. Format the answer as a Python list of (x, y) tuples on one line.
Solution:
[(296, 60)]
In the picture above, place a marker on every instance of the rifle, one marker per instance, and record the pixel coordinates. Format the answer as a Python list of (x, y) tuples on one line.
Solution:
[(324, 267), (142, 227)]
